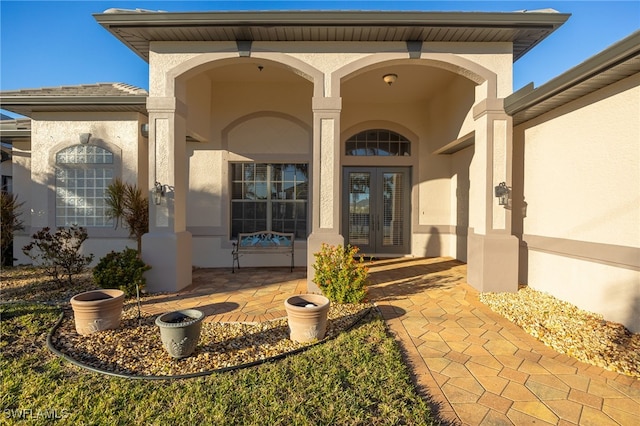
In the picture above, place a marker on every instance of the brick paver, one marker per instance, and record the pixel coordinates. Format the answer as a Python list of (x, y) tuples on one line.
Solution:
[(518, 380), (473, 366)]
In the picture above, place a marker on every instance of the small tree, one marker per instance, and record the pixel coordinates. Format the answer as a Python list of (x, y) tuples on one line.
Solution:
[(59, 253), (10, 219), (128, 206)]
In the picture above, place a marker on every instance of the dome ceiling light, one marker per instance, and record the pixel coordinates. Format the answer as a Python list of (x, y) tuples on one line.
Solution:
[(390, 78)]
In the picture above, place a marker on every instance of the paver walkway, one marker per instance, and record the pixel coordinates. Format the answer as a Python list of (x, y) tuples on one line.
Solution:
[(249, 295), (474, 366)]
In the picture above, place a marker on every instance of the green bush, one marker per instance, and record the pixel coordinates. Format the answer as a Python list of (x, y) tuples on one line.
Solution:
[(339, 275), (59, 253), (122, 270)]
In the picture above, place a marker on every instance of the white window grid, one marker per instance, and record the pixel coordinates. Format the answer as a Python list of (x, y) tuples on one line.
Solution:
[(262, 202)]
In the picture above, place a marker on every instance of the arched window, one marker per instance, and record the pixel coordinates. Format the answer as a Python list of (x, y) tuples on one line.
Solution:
[(83, 173), (378, 142)]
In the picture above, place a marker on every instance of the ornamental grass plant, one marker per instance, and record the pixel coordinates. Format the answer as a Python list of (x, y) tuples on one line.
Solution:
[(340, 273)]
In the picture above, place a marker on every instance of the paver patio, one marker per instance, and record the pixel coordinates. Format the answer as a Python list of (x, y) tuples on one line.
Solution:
[(474, 366)]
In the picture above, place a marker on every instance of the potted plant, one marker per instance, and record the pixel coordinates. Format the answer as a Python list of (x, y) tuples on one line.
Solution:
[(97, 310), (180, 331), (307, 317), (341, 278)]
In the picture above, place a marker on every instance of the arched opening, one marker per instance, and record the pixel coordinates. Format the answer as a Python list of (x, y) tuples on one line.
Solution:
[(248, 127), (433, 100)]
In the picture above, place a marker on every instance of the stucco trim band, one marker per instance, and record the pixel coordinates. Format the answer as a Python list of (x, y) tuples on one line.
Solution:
[(608, 254)]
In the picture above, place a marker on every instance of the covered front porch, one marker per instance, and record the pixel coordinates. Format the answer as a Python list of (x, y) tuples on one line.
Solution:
[(231, 114)]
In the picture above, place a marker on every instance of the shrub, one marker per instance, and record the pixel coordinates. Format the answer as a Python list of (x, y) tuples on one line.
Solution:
[(9, 206), (340, 276), (59, 254), (122, 270)]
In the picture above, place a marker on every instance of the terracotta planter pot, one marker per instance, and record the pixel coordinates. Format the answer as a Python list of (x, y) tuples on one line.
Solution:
[(307, 317), (180, 331), (97, 310)]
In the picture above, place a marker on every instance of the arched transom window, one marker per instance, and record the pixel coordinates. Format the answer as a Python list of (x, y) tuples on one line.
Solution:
[(378, 142), (83, 173)]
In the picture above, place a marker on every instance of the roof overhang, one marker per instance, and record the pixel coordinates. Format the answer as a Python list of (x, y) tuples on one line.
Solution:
[(137, 29), (613, 64), (28, 104), (14, 130)]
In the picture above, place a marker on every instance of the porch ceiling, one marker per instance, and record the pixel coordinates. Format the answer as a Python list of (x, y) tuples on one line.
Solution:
[(414, 84), (137, 29)]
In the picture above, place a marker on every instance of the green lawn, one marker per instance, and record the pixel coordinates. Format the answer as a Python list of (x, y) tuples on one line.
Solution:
[(357, 378)]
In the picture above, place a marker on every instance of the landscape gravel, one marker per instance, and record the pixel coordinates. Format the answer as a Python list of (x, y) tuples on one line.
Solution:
[(562, 326), (136, 349)]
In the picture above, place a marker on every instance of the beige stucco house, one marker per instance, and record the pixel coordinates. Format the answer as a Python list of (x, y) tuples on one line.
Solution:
[(390, 131)]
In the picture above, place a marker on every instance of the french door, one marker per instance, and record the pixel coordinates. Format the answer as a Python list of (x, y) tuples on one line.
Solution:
[(376, 209)]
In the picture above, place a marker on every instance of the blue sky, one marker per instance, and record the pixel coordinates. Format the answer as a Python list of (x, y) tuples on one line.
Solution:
[(53, 43)]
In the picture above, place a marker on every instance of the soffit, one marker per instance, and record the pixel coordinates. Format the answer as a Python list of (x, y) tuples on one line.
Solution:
[(613, 64), (137, 29)]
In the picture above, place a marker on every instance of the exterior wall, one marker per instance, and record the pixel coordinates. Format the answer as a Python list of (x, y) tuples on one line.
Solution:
[(21, 169), (34, 169), (199, 99), (580, 200), (459, 189), (6, 169)]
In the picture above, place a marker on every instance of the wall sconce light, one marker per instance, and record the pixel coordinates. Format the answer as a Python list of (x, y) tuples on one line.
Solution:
[(502, 193), (390, 78), (158, 192), (84, 138), (144, 130)]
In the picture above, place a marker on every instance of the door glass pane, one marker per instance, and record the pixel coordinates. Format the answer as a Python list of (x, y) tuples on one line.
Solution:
[(359, 208), (393, 209)]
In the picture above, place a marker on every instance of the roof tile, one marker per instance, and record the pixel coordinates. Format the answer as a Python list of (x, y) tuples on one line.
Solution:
[(98, 89)]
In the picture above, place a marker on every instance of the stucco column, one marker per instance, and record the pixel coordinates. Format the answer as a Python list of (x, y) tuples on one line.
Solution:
[(492, 252), (167, 246), (325, 202)]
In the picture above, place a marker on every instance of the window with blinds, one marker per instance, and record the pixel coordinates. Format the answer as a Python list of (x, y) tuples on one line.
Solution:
[(269, 197)]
